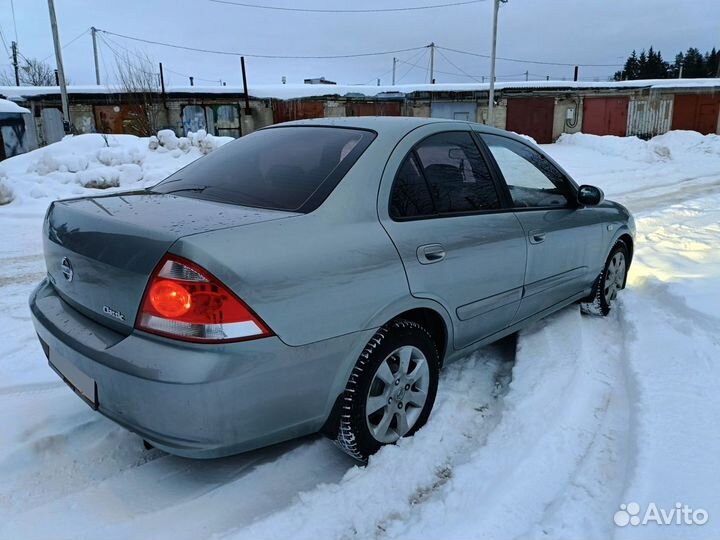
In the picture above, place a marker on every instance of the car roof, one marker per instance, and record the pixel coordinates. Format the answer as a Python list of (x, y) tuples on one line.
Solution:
[(384, 123)]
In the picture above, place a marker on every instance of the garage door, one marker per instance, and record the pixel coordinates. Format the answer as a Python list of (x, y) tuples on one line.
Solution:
[(696, 113), (121, 119), (454, 110), (375, 108), (531, 116), (605, 116), (286, 111)]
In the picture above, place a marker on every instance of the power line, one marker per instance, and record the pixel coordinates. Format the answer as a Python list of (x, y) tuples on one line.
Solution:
[(412, 66), (193, 76), (73, 40), (378, 77), (12, 6), (525, 61), (458, 67), (117, 55), (427, 69), (474, 77), (340, 11), (277, 56), (2, 38)]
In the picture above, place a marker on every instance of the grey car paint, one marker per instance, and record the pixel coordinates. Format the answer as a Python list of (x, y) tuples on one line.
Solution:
[(323, 281)]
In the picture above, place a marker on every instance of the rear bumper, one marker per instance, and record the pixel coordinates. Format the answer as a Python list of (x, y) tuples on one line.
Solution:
[(198, 400)]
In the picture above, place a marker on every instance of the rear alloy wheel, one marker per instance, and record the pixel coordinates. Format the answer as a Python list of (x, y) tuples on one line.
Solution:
[(391, 389), (609, 282)]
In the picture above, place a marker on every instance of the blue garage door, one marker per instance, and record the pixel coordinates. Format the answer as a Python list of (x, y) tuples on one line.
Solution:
[(454, 110)]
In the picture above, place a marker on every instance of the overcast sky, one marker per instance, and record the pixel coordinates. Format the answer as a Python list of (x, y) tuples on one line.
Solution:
[(566, 31)]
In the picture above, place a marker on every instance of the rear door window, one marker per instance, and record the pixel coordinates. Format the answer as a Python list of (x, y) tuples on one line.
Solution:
[(410, 194), (286, 168), (457, 175), (444, 174)]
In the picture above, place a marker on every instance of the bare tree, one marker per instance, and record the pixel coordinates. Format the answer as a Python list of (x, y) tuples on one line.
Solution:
[(33, 72), (7, 79), (141, 84)]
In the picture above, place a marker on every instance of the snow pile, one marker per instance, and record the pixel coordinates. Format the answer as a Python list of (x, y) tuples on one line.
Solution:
[(7, 106), (6, 192), (166, 140), (630, 148), (674, 145), (77, 164)]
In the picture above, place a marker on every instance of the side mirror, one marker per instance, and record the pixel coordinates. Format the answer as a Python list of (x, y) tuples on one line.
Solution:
[(590, 195)]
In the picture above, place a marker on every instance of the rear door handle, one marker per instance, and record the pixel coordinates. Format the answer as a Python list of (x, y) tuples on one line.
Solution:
[(536, 237), (430, 253)]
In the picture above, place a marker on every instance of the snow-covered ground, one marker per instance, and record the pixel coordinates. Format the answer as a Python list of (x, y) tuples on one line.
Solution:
[(544, 436)]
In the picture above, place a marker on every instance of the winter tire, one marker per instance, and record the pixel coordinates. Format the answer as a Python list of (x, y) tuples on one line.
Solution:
[(610, 281), (391, 389)]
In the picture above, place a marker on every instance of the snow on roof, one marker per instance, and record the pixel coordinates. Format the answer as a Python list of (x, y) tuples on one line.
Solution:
[(290, 91), (7, 106)]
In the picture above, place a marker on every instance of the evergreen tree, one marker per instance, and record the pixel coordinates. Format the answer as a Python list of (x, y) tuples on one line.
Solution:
[(712, 63), (694, 64), (642, 65), (631, 70), (651, 65)]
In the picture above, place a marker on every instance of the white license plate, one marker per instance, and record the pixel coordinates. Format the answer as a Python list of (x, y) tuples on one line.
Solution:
[(80, 383)]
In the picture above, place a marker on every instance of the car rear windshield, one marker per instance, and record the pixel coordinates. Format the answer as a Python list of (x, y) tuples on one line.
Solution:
[(290, 168)]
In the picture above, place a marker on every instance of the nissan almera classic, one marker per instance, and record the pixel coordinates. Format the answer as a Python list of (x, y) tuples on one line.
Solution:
[(315, 276)]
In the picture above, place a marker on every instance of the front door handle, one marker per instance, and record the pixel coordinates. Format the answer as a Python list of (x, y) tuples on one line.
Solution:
[(536, 237), (430, 253)]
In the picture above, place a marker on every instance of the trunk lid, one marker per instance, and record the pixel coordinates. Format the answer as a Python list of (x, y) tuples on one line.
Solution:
[(101, 251)]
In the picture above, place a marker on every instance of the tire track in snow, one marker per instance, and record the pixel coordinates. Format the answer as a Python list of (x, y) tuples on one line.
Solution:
[(675, 374), (550, 445), (598, 483), (682, 192)]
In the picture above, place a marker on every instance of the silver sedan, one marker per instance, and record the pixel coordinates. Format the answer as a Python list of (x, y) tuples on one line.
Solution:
[(316, 276)]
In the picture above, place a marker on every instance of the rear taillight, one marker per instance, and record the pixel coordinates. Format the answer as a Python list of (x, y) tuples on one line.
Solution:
[(186, 302)]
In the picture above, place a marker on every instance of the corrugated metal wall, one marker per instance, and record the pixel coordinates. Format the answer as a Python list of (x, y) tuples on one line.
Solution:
[(650, 116)]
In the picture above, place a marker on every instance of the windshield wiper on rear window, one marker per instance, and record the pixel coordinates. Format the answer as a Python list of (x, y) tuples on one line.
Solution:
[(195, 189)]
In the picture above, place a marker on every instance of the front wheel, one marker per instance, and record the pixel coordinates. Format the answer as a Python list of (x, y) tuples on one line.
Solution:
[(391, 390), (609, 282)]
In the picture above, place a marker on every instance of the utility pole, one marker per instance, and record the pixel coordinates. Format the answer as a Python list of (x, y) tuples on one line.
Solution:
[(681, 70), (526, 75), (394, 64), (61, 72), (432, 63), (93, 32), (491, 96), (192, 81), (162, 86), (15, 63), (575, 74), (245, 89)]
